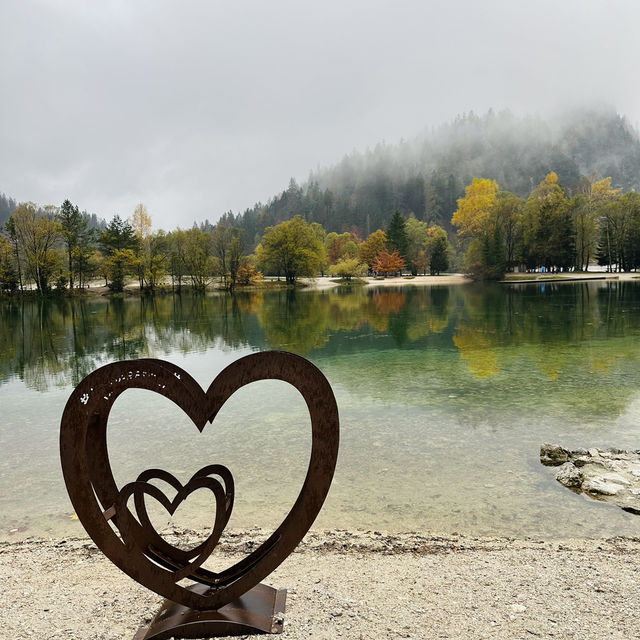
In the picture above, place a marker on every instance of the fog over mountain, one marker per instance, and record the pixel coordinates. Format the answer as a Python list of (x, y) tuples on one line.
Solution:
[(425, 175), (199, 108)]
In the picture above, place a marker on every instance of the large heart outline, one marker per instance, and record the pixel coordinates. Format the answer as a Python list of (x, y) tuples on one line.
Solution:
[(93, 490)]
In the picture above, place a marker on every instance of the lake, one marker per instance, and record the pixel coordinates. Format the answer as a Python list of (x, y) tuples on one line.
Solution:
[(445, 396)]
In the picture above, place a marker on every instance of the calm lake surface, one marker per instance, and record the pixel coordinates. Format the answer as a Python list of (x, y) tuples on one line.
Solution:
[(445, 395)]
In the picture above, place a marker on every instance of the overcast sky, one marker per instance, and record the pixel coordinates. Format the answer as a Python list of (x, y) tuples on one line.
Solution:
[(195, 108)]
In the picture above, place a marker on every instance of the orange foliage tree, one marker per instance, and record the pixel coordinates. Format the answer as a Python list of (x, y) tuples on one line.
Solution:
[(386, 262)]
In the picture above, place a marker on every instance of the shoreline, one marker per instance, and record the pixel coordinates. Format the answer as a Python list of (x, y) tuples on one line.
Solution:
[(322, 283), (325, 282), (353, 584)]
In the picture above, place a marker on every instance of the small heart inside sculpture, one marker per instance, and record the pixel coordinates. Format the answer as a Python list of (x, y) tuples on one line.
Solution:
[(140, 531), (191, 522)]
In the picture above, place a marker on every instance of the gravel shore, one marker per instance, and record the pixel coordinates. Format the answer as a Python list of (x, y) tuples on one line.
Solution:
[(354, 585)]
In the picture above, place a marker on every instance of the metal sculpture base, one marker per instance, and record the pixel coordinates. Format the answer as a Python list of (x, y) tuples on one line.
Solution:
[(256, 611)]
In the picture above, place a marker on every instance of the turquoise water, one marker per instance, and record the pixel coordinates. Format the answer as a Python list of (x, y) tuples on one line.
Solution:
[(445, 395)]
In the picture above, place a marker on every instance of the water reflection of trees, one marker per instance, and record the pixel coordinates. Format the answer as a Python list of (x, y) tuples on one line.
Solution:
[(557, 328), (59, 341), (512, 350)]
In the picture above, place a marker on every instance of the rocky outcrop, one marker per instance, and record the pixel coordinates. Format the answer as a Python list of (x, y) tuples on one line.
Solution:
[(609, 475), (553, 455), (570, 476)]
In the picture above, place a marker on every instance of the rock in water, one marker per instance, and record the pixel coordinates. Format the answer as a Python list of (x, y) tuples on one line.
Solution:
[(553, 455), (570, 476)]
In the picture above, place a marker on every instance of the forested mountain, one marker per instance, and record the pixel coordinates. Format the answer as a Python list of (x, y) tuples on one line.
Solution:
[(426, 175), (7, 205)]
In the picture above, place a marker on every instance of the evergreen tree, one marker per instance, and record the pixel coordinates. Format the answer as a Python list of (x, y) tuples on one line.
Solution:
[(8, 271), (548, 228), (493, 256), (118, 234), (16, 245), (437, 249), (74, 229), (7, 207), (119, 243), (397, 239)]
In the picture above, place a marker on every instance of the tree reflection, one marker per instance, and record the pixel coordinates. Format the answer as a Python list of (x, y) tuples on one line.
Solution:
[(557, 331), (557, 326), (295, 321)]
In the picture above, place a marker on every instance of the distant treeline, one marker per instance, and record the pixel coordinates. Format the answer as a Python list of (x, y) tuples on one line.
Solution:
[(498, 231), (7, 206), (551, 229), (56, 248)]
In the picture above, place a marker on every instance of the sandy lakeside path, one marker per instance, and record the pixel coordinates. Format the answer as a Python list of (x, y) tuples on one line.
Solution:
[(326, 282), (354, 585), (453, 278)]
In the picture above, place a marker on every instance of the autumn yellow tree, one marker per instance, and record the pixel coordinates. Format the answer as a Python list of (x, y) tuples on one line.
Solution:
[(371, 247), (478, 232), (473, 215), (140, 222)]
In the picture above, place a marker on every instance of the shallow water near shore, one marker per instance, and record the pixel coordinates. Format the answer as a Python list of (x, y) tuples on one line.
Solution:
[(445, 395)]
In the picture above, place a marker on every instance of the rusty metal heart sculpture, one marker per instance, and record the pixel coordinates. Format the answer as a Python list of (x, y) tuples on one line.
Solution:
[(129, 540)]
